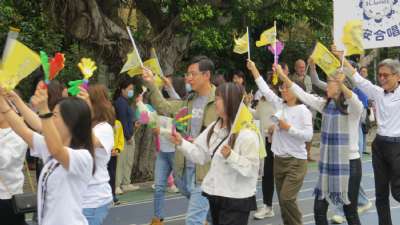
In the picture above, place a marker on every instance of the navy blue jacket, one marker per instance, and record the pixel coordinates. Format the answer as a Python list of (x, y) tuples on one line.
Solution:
[(124, 114)]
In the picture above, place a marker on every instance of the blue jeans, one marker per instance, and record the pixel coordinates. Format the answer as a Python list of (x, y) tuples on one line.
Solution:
[(185, 183), (96, 216), (198, 208), (163, 167), (364, 146)]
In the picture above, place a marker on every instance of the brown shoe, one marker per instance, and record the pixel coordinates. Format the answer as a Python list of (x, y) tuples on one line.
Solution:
[(156, 221)]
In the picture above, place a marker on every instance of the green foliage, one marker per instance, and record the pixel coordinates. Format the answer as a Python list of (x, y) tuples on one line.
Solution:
[(37, 32), (212, 27)]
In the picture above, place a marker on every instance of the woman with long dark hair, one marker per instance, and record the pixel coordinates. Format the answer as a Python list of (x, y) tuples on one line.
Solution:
[(124, 114), (66, 148), (340, 164), (98, 197), (230, 184)]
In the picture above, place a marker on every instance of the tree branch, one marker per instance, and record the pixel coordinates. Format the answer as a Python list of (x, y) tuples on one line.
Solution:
[(153, 13)]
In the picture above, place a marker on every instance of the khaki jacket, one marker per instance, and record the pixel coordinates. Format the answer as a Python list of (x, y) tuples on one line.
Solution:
[(171, 107)]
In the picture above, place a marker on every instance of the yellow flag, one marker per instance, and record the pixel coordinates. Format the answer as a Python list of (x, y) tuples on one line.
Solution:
[(352, 37), (19, 62), (325, 59), (267, 37), (12, 35), (132, 62), (244, 119), (154, 66), (242, 44)]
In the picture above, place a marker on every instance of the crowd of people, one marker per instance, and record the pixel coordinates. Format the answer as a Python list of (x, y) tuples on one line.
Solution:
[(86, 144)]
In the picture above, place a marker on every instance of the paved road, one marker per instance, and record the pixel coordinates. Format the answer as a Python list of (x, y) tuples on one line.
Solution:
[(140, 212)]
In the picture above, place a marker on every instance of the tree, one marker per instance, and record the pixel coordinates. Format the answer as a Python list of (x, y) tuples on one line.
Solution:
[(178, 29)]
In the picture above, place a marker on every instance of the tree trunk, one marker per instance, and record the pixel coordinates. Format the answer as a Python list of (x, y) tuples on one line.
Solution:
[(97, 25), (145, 155)]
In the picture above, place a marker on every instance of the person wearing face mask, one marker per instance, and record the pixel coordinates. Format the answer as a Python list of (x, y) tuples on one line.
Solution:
[(124, 114)]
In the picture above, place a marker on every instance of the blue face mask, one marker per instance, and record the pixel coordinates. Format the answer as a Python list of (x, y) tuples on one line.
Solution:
[(130, 93), (188, 87)]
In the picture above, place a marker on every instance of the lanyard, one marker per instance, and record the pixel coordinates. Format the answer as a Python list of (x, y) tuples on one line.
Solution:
[(45, 178)]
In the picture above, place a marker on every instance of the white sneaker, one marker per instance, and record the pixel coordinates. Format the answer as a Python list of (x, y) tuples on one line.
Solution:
[(337, 219), (263, 212), (173, 189), (130, 187), (153, 186), (364, 208), (118, 191)]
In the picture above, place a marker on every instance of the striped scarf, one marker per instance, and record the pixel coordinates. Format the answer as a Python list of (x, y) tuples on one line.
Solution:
[(334, 166)]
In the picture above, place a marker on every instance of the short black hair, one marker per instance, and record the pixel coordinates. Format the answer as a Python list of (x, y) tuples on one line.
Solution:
[(205, 63), (239, 73)]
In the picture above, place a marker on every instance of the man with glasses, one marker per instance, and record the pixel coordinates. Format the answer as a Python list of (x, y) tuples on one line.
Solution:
[(386, 146), (201, 105)]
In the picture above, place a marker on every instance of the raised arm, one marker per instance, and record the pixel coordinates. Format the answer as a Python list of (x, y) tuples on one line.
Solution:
[(51, 135), (313, 101), (314, 76), (263, 87), (30, 117), (371, 90), (157, 100), (16, 122), (170, 89)]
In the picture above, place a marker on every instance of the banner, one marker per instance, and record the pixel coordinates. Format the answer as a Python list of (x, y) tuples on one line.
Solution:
[(380, 19)]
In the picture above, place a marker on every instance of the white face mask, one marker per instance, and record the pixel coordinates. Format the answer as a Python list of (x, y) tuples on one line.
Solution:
[(130, 93), (188, 87)]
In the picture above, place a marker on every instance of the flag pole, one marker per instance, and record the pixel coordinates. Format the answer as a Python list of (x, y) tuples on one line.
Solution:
[(275, 55), (248, 43), (134, 45), (153, 50), (343, 58)]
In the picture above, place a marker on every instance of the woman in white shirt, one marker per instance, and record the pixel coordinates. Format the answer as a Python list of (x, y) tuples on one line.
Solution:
[(340, 164), (98, 197), (12, 156), (66, 148), (292, 129), (230, 184)]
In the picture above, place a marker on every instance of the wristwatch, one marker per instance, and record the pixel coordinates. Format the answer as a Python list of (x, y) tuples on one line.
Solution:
[(46, 115)]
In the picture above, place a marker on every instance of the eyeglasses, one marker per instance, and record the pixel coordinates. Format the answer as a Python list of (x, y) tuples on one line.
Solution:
[(193, 74), (385, 75)]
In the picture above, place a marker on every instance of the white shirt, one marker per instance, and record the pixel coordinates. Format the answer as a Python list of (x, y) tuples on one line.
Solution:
[(299, 117), (387, 106), (99, 190), (12, 156), (234, 177), (165, 134), (354, 109), (64, 190)]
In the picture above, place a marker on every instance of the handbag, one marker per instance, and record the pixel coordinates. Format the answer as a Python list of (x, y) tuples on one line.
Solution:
[(25, 202)]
